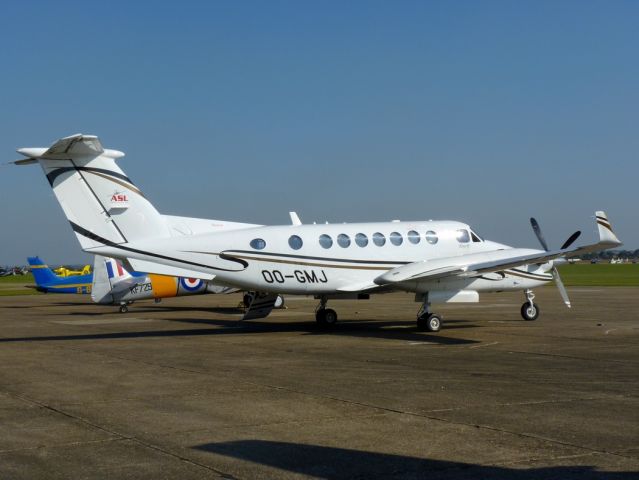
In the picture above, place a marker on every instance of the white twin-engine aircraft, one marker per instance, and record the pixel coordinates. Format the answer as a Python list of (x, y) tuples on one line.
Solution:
[(440, 261)]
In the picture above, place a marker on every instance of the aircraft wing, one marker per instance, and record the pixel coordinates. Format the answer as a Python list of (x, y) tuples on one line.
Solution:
[(479, 263)]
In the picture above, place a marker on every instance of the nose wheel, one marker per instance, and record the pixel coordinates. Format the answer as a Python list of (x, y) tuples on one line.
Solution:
[(529, 310)]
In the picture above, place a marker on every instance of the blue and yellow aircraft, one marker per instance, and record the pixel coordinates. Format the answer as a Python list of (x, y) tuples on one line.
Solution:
[(49, 282)]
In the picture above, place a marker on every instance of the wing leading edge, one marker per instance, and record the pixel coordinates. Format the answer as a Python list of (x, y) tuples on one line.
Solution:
[(480, 263)]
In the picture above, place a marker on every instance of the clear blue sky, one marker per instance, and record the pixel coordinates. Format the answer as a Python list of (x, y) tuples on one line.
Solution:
[(485, 112)]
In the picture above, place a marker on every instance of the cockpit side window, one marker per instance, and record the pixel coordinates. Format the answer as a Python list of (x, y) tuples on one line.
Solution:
[(462, 235), (476, 238)]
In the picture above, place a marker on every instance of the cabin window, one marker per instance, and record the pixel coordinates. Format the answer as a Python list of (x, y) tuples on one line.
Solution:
[(361, 240), (295, 242), (326, 241), (462, 236), (413, 237), (396, 238), (431, 237), (258, 244), (343, 240), (379, 239)]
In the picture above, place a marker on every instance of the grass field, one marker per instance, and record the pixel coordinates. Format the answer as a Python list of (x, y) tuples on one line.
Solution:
[(575, 275), (15, 285), (600, 274)]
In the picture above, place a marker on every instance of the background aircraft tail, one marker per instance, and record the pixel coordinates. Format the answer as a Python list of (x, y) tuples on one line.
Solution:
[(41, 272), (109, 278), (102, 204)]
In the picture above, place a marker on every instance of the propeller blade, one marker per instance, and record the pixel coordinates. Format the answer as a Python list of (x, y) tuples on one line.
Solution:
[(537, 230), (571, 239), (560, 286)]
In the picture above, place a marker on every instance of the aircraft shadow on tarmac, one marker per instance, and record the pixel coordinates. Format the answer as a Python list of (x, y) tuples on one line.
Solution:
[(335, 463), (391, 330)]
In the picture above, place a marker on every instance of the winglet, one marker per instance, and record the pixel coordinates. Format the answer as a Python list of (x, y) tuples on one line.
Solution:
[(606, 234)]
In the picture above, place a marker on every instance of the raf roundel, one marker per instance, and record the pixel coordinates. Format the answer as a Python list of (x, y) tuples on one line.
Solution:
[(191, 284)]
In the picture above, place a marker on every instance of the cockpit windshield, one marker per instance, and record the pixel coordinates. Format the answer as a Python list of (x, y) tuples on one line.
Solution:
[(476, 238)]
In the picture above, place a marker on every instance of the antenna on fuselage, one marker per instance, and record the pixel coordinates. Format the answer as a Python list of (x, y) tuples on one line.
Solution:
[(295, 219)]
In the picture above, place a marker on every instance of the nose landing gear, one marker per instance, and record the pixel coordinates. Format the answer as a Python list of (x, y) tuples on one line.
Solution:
[(529, 311)]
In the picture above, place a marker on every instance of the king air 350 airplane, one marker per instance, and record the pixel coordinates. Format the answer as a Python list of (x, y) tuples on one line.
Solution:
[(440, 261)]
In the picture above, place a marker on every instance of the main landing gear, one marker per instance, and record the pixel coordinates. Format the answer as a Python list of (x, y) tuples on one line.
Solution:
[(529, 311), (325, 317), (248, 297), (426, 320), (124, 306)]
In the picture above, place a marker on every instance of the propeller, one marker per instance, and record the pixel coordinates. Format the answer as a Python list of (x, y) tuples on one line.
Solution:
[(554, 271), (571, 239)]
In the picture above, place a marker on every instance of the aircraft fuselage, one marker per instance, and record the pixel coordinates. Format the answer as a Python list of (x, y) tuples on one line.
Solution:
[(333, 258)]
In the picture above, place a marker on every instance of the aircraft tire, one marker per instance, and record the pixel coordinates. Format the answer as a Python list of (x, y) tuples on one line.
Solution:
[(326, 317), (528, 312), (330, 317), (431, 322), (124, 309)]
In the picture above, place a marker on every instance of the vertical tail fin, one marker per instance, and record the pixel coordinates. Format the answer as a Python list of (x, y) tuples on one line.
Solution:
[(109, 277), (41, 271), (101, 289), (102, 204), (115, 271)]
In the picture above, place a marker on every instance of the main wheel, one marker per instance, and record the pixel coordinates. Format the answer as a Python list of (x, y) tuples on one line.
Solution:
[(326, 317), (330, 316), (430, 322), (124, 309), (529, 312)]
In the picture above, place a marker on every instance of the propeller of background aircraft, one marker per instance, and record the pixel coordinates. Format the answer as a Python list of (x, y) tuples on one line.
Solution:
[(554, 271)]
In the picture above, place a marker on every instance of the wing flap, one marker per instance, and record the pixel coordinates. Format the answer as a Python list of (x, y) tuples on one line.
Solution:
[(358, 287)]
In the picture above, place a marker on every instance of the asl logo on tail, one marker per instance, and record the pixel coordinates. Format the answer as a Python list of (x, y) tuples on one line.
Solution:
[(119, 200)]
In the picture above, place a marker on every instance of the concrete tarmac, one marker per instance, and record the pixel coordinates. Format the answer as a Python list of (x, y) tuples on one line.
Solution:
[(183, 390)]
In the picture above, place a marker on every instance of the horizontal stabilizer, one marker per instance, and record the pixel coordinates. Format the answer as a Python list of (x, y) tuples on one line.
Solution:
[(69, 147)]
